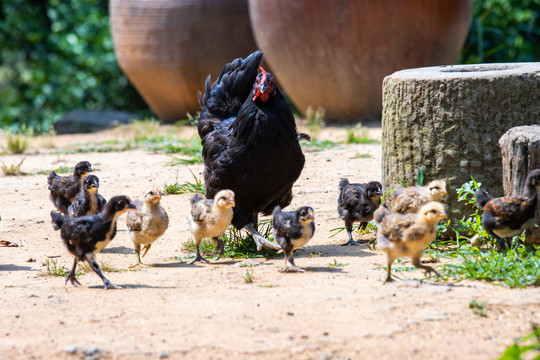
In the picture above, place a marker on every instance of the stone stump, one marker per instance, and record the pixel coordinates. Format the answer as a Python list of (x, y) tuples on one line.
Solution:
[(520, 147), (447, 121)]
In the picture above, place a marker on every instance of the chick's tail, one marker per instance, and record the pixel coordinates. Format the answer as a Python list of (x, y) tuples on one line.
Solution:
[(482, 198), (57, 219)]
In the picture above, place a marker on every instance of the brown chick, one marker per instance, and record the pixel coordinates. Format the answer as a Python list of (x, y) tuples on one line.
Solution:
[(410, 199), (408, 234), (508, 216), (210, 218), (147, 222)]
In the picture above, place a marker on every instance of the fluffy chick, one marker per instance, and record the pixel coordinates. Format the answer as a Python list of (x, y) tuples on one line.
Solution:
[(147, 222), (292, 230), (408, 234), (88, 201), (410, 199), (356, 203), (210, 218), (64, 189), (508, 216), (87, 235)]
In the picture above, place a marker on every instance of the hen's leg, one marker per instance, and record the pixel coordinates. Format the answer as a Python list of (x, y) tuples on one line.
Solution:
[(348, 227), (71, 276), (260, 240), (416, 262), (94, 265)]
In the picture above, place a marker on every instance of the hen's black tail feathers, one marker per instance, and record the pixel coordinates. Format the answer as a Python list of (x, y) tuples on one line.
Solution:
[(57, 219), (482, 198), (223, 98)]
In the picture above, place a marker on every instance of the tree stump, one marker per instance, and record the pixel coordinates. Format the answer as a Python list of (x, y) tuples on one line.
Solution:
[(520, 147), (446, 120)]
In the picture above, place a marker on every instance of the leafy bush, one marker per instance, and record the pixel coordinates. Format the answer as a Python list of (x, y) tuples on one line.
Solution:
[(503, 31), (57, 56)]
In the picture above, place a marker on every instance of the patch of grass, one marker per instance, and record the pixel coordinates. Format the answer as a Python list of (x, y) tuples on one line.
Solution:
[(144, 129), (518, 267), (53, 269), (371, 227), (17, 144), (248, 276), (186, 188), (13, 169), (337, 264), (319, 145), (315, 120), (478, 308), (525, 347), (59, 170), (362, 156), (240, 244), (192, 120), (359, 135), (316, 254), (206, 247)]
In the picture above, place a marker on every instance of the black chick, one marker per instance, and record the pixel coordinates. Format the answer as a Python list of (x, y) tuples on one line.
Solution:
[(250, 142), (85, 236), (88, 201), (357, 203), (292, 230), (508, 216), (64, 189)]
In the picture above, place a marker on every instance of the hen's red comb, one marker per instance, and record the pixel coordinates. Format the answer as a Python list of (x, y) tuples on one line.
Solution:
[(264, 74)]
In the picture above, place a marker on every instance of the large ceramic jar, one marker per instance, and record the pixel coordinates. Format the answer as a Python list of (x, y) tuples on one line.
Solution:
[(335, 53), (167, 47)]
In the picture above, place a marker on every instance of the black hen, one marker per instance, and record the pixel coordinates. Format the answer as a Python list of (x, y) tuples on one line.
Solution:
[(357, 203), (250, 143), (292, 230), (64, 188), (87, 235), (508, 216), (88, 201)]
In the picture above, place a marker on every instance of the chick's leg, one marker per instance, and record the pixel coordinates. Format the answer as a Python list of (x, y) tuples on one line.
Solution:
[(137, 249), (348, 227), (260, 240), (220, 246), (416, 262), (71, 276), (289, 256), (198, 256), (94, 265), (389, 270)]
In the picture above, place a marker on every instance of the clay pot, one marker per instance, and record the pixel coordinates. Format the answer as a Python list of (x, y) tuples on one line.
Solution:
[(167, 47), (335, 54)]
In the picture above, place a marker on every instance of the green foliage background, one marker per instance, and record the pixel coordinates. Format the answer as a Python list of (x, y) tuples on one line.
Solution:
[(57, 55)]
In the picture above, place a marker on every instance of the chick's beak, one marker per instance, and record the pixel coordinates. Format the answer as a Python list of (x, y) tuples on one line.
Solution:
[(442, 215), (158, 194)]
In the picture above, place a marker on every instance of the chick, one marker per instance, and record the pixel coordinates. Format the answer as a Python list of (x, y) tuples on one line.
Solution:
[(357, 202), (292, 230), (147, 222), (87, 201), (408, 234), (64, 189), (87, 235), (508, 216), (210, 218), (410, 199)]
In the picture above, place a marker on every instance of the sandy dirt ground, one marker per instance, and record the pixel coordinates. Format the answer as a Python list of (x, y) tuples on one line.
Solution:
[(207, 311)]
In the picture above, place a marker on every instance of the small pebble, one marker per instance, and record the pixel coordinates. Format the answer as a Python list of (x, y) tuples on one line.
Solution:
[(70, 349)]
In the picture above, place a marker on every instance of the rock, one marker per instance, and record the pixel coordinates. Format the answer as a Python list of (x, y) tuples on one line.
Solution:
[(70, 349), (82, 121), (446, 120)]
